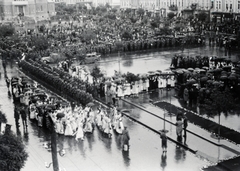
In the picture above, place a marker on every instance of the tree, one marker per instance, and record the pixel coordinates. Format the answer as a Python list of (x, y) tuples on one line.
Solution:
[(6, 30), (128, 11), (140, 12), (13, 155), (202, 16), (219, 101), (40, 43), (88, 35), (154, 24), (170, 15), (173, 8), (96, 73), (126, 35), (114, 10)]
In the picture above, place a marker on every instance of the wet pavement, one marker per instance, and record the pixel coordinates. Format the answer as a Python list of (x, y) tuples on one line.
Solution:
[(96, 152), (213, 150), (99, 153)]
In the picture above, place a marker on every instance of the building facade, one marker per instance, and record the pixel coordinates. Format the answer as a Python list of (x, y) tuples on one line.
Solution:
[(230, 6), (36, 9), (101, 2)]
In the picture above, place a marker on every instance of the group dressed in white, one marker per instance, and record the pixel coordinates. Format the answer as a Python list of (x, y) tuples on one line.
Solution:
[(82, 120), (120, 87)]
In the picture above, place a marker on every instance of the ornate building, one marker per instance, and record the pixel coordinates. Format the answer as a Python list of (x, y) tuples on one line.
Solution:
[(36, 9)]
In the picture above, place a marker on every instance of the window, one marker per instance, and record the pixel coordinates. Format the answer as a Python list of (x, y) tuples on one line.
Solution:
[(239, 5), (218, 5)]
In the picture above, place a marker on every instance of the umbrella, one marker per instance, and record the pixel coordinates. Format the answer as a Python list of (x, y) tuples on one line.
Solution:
[(150, 72), (216, 83), (90, 104), (190, 69), (204, 79), (196, 69), (218, 70), (232, 77), (201, 70), (210, 81), (179, 71), (223, 77), (60, 115), (192, 81), (205, 68)]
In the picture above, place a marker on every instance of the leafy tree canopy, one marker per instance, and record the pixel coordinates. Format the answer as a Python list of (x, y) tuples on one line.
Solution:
[(39, 43), (140, 11), (219, 101), (13, 155), (202, 16), (6, 30), (96, 73), (170, 15)]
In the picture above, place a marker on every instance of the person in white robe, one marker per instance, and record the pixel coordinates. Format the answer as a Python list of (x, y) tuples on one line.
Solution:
[(120, 91), (59, 126), (120, 127), (68, 129), (127, 89), (80, 133), (147, 84), (140, 85)]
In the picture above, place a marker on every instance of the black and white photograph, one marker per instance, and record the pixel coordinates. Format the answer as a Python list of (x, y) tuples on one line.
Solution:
[(119, 85)]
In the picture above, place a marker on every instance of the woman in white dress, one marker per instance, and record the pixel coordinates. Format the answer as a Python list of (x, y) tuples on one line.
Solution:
[(160, 82), (147, 84), (128, 89), (120, 127), (68, 130), (80, 133), (88, 127), (73, 124), (108, 127), (59, 126), (140, 85), (120, 91)]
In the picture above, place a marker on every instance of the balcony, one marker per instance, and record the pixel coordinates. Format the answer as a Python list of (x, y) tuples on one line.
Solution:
[(20, 2)]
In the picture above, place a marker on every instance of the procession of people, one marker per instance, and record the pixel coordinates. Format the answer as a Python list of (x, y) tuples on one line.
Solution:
[(70, 120)]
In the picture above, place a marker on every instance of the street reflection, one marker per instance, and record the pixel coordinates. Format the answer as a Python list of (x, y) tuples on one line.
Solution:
[(82, 149), (107, 142), (163, 162), (180, 154), (90, 139), (126, 158)]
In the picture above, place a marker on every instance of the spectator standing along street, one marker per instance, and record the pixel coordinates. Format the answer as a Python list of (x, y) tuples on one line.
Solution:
[(164, 141)]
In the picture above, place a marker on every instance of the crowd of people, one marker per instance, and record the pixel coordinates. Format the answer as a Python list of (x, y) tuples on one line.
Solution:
[(118, 86), (70, 120)]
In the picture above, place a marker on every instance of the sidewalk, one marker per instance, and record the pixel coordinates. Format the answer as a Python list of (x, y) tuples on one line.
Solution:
[(200, 140)]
